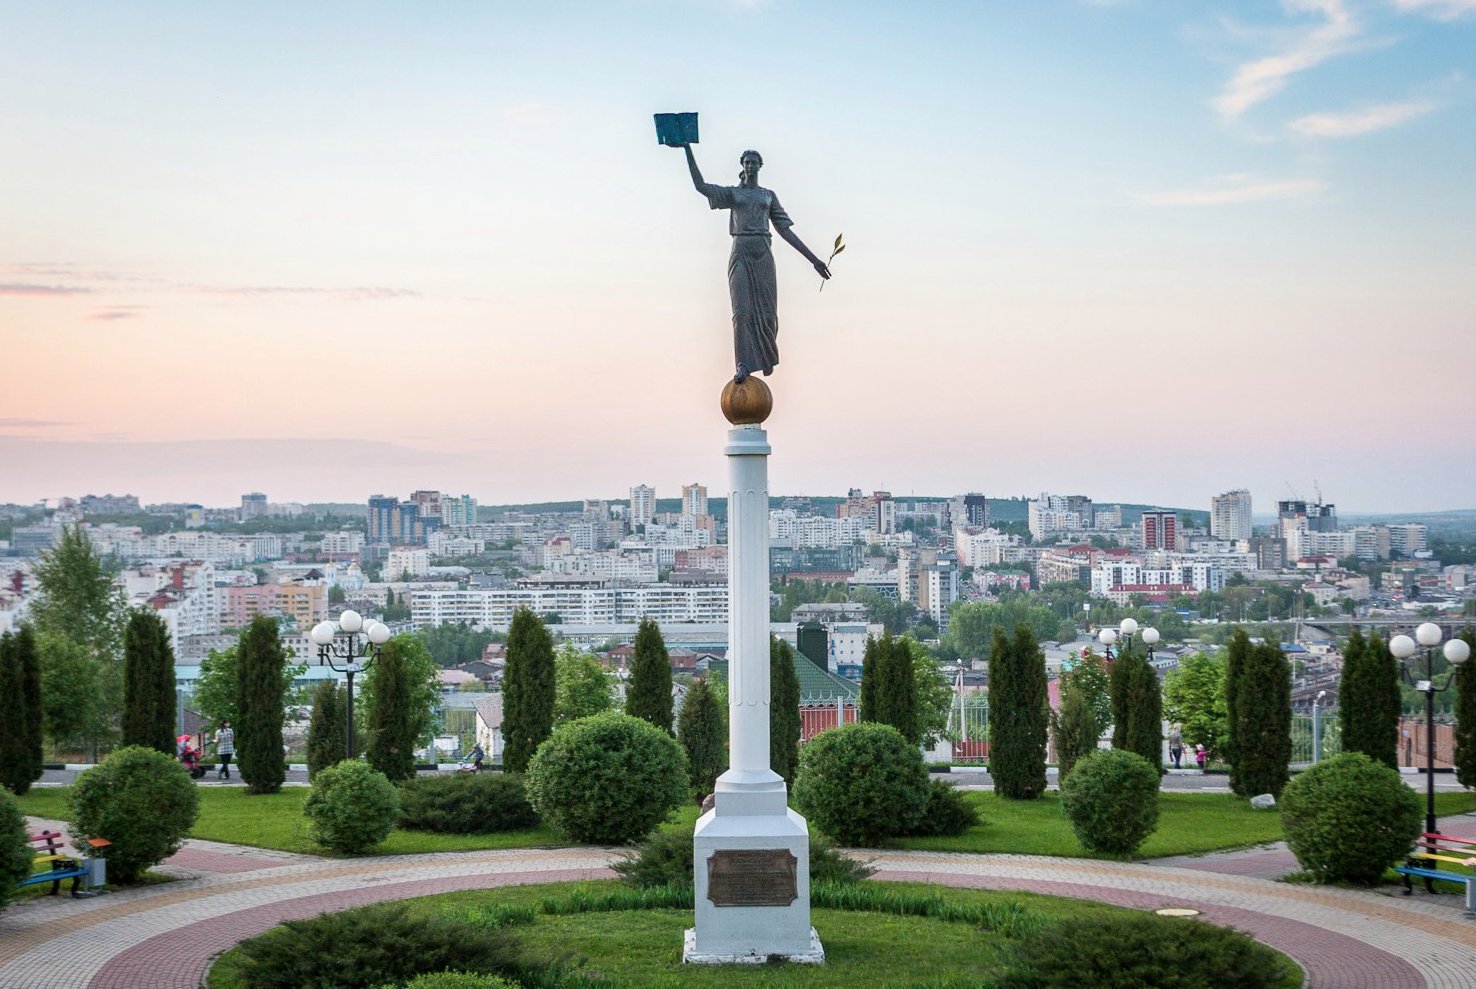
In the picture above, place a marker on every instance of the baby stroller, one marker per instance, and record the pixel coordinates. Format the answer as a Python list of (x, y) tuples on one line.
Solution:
[(191, 760)]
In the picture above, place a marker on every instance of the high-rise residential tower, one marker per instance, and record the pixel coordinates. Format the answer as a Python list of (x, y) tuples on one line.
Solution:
[(1230, 515), (642, 505), (694, 499)]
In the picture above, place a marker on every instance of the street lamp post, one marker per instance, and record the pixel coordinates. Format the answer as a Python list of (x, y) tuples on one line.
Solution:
[(1317, 726), (350, 640), (1456, 653), (1126, 629)]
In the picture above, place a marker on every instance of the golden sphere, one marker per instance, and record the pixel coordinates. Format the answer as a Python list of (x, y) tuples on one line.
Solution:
[(748, 403)]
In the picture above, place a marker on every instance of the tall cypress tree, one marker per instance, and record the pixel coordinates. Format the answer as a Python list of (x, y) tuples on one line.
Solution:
[(1145, 731), (1237, 658), (702, 728), (326, 738), (1119, 688), (528, 690), (148, 683), (1465, 712), (784, 712), (260, 703), (392, 726), (1261, 729), (648, 695), (1368, 699), (868, 710), (896, 687), (28, 655), (1017, 715), (17, 763)]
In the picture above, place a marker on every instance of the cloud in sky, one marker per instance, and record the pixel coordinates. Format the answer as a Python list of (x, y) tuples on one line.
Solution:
[(13, 422), (359, 294), (115, 312), (1263, 78), (1232, 189), (1356, 122), (1443, 10), (28, 288)]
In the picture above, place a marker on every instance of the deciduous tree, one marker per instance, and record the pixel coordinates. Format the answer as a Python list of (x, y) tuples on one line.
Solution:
[(581, 685)]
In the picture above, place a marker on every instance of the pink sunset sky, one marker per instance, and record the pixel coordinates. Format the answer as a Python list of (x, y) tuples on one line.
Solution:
[(1146, 251)]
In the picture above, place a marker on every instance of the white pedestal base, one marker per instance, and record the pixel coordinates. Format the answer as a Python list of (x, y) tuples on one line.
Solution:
[(815, 956), (748, 933)]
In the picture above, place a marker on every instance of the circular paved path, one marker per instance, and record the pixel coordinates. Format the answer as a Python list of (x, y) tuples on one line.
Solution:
[(165, 936)]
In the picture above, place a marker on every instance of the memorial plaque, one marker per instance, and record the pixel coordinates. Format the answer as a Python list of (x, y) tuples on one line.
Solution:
[(752, 878)]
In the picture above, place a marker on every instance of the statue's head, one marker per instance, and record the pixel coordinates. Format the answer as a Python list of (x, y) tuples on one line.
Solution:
[(751, 161)]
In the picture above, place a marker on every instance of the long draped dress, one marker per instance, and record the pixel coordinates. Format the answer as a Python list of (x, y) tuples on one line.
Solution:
[(752, 287)]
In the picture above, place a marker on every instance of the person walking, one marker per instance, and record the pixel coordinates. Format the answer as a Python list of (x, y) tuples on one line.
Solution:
[(1176, 744), (225, 747), (1200, 755)]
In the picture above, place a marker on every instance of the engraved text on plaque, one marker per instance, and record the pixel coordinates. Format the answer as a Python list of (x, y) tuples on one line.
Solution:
[(761, 878)]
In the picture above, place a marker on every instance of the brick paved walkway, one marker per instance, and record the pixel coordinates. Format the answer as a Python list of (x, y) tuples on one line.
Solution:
[(164, 936)]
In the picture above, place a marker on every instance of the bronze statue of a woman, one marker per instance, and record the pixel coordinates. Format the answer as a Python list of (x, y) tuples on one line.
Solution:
[(751, 283)]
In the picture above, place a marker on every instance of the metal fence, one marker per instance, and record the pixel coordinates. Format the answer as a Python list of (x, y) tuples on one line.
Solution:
[(1304, 733)]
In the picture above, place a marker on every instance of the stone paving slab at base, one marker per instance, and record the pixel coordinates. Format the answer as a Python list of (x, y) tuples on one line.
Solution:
[(166, 935)]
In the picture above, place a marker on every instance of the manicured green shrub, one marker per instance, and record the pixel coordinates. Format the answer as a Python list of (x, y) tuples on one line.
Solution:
[(352, 807), (665, 858), (1111, 800), (358, 949), (1136, 950), (457, 980), (15, 851), (1349, 818), (142, 801), (862, 783), (466, 803), (607, 779), (948, 811)]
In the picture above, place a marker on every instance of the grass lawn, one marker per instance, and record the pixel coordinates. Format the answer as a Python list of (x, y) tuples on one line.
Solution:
[(1188, 823), (863, 948)]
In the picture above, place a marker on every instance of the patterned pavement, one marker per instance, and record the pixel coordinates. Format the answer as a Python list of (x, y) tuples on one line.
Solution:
[(164, 936)]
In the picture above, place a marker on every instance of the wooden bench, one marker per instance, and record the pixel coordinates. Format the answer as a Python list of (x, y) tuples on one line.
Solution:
[(51, 851), (1433, 849)]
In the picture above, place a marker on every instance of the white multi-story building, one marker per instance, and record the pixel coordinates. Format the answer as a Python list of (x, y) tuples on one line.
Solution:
[(642, 505), (937, 589), (1051, 514), (494, 609), (694, 499), (348, 541), (1339, 544), (846, 641), (405, 562), (1230, 515), (1409, 538), (1107, 576), (981, 547), (786, 528)]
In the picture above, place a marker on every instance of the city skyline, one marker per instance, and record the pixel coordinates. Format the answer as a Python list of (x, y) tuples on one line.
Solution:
[(1128, 248)]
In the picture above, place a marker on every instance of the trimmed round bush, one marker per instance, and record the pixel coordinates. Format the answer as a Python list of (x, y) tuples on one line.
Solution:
[(466, 803), (862, 784), (353, 807), (1349, 818), (15, 851), (948, 812), (373, 946), (141, 800), (607, 779), (1136, 950), (1111, 800)]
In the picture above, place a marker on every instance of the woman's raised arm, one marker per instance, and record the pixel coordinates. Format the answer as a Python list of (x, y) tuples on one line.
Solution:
[(697, 183)]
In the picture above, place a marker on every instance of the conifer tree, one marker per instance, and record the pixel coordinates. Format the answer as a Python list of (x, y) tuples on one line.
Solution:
[(20, 757), (649, 692), (1074, 729), (29, 653), (896, 687), (784, 713), (148, 683), (1368, 699), (1237, 659), (393, 725), (702, 728), (1260, 730), (868, 710), (326, 739), (1138, 702), (260, 700), (1017, 715), (528, 690), (1465, 713)]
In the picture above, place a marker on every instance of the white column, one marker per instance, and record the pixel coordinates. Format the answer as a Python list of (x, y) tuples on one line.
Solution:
[(748, 615)]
